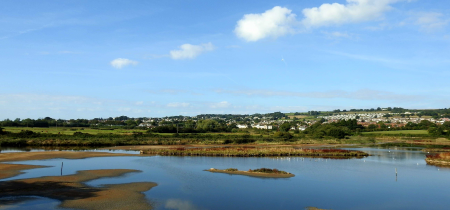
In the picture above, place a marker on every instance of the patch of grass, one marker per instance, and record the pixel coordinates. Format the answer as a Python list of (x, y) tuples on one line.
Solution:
[(421, 132)]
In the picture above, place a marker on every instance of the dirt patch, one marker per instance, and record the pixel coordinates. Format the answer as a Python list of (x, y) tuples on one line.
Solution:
[(74, 194)]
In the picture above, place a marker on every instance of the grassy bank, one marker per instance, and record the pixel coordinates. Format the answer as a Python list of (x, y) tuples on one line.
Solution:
[(254, 152)]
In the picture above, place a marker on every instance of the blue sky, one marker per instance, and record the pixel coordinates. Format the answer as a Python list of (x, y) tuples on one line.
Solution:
[(86, 59)]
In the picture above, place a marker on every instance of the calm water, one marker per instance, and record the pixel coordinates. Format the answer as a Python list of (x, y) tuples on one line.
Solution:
[(368, 183)]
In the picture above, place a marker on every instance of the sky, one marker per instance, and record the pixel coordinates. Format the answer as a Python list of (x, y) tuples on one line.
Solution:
[(87, 59)]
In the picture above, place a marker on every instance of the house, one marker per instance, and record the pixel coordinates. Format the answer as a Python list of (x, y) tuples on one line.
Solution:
[(242, 126)]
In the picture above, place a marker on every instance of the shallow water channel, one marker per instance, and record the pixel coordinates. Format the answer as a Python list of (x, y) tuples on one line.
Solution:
[(368, 183)]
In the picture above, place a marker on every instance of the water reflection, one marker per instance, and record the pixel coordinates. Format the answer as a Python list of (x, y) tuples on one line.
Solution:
[(180, 204), (368, 183)]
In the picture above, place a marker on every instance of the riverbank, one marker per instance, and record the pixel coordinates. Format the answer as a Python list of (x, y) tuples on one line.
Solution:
[(72, 193), (253, 173)]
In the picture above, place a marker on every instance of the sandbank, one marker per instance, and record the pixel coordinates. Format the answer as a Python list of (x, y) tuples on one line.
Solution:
[(11, 170), (71, 191)]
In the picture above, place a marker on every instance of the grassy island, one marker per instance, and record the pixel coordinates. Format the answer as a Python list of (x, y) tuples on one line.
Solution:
[(440, 159), (436, 150), (261, 172), (254, 152)]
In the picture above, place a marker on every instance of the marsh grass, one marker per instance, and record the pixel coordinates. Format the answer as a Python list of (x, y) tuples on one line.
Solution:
[(253, 152)]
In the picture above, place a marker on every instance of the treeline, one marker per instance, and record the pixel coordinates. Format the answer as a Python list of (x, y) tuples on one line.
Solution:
[(50, 122), (339, 129), (190, 126), (30, 138)]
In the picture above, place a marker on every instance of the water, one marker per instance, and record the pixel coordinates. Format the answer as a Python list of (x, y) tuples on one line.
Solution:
[(368, 183)]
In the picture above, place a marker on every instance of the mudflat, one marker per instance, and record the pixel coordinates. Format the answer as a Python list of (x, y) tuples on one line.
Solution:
[(71, 191), (11, 170), (21, 156)]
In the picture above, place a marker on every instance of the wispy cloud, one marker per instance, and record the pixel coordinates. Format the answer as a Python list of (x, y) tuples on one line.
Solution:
[(178, 105), (431, 21), (189, 51), (173, 92), (119, 63), (220, 105), (363, 94), (368, 57), (337, 35)]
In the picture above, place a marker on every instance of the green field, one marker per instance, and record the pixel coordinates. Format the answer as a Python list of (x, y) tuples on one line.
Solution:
[(398, 132)]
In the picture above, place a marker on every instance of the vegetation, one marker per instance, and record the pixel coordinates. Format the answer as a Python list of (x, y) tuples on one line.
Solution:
[(261, 172), (438, 159), (253, 152), (268, 171)]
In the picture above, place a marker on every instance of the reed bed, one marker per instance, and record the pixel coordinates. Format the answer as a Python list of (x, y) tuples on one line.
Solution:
[(254, 152)]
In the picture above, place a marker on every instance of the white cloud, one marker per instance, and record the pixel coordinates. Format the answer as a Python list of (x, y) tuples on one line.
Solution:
[(118, 63), (189, 51), (178, 105), (354, 11), (275, 22), (431, 21)]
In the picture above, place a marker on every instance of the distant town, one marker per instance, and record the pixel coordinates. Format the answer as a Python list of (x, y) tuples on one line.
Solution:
[(385, 118)]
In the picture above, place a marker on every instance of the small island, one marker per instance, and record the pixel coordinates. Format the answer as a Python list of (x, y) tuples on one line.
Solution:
[(440, 159), (255, 152), (261, 172)]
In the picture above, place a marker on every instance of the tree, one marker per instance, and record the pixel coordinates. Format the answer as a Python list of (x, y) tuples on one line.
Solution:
[(207, 125), (336, 133), (372, 127), (285, 127), (436, 131), (131, 123)]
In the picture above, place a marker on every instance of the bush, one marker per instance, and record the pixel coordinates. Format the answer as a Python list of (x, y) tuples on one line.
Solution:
[(282, 135)]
